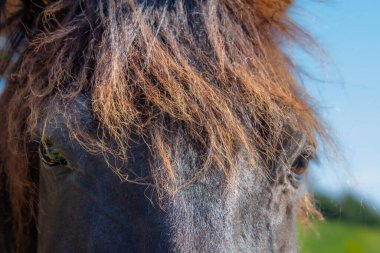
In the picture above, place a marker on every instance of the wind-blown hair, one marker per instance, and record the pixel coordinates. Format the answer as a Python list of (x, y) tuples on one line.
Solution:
[(214, 69)]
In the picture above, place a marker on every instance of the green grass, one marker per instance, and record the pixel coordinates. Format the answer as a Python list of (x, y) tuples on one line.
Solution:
[(338, 237)]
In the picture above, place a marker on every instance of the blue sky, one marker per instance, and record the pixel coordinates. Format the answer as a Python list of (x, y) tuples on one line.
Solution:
[(349, 96)]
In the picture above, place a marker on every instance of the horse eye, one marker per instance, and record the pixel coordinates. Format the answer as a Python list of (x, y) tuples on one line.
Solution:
[(300, 165), (51, 156)]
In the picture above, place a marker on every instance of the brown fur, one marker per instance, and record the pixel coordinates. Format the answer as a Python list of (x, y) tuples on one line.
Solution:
[(215, 69)]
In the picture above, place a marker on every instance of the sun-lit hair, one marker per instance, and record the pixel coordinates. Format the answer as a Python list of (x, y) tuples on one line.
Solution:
[(214, 69)]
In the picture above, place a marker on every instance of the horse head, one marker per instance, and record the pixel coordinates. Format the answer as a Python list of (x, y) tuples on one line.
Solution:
[(152, 126)]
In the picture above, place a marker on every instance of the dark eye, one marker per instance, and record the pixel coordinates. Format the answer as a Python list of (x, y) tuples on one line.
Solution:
[(51, 156), (300, 165)]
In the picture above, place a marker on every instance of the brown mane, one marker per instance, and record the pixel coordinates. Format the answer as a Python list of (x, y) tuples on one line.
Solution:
[(212, 68)]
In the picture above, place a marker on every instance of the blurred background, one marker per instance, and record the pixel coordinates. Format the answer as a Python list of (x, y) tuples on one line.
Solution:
[(346, 86)]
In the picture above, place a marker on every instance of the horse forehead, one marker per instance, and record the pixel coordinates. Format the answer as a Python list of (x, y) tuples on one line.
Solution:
[(61, 113), (64, 113)]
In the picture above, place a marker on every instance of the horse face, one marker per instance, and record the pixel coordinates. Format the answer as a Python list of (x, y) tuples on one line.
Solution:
[(199, 80), (85, 207)]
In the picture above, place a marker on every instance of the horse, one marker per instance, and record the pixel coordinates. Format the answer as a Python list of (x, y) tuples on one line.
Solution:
[(152, 126)]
